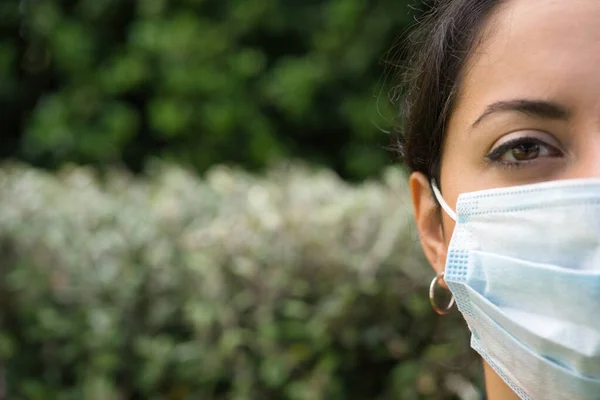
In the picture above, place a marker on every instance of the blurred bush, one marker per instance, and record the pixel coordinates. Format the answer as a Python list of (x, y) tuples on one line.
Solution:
[(197, 81), (294, 285)]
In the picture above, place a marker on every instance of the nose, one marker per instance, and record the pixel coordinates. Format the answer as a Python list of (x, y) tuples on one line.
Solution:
[(586, 163)]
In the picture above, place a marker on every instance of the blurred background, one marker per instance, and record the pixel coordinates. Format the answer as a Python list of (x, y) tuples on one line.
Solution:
[(198, 201)]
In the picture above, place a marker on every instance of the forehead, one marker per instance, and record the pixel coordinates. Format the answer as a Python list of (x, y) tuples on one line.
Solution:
[(535, 48)]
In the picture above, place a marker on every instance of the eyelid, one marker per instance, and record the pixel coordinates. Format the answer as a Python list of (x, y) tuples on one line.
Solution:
[(509, 141), (497, 152), (533, 134)]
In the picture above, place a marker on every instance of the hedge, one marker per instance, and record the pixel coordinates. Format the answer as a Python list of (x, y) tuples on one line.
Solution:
[(198, 81), (292, 285)]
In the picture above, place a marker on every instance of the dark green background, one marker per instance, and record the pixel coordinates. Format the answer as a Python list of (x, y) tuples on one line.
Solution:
[(198, 81)]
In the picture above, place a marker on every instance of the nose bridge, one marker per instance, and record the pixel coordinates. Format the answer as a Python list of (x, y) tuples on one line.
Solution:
[(587, 160)]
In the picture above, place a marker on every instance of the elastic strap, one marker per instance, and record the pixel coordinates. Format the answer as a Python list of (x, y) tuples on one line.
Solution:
[(440, 200)]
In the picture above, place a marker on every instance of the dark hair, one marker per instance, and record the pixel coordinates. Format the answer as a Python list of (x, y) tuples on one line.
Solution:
[(437, 51)]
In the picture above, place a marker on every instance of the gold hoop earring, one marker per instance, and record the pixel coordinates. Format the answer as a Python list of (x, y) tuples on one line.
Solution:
[(434, 283)]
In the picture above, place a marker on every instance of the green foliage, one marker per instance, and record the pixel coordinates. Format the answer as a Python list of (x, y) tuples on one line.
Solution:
[(200, 81), (295, 285)]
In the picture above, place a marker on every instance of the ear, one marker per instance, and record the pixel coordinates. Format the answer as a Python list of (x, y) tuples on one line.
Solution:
[(429, 221)]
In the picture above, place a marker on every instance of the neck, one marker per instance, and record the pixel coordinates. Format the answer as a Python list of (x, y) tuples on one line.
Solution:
[(495, 387)]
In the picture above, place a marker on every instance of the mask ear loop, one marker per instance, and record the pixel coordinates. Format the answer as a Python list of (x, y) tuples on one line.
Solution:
[(440, 199), (437, 278)]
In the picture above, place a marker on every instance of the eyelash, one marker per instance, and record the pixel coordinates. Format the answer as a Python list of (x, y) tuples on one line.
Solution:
[(495, 155)]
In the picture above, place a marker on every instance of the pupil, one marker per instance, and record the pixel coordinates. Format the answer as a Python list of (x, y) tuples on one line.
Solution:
[(526, 151)]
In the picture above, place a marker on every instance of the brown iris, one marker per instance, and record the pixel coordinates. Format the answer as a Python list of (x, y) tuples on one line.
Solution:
[(525, 151)]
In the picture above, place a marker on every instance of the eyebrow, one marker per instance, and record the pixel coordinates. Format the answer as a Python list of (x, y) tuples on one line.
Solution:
[(536, 108)]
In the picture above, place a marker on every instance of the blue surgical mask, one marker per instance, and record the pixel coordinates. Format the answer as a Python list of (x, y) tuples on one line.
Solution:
[(523, 265)]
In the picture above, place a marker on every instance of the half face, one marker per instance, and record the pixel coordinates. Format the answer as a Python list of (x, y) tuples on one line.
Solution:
[(529, 103)]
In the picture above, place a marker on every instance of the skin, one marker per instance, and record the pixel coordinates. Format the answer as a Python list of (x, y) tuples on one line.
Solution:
[(540, 50)]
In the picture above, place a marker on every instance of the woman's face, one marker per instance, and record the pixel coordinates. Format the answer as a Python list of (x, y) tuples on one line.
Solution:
[(528, 109)]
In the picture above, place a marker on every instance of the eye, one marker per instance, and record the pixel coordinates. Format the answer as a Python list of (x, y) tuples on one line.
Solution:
[(522, 150)]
